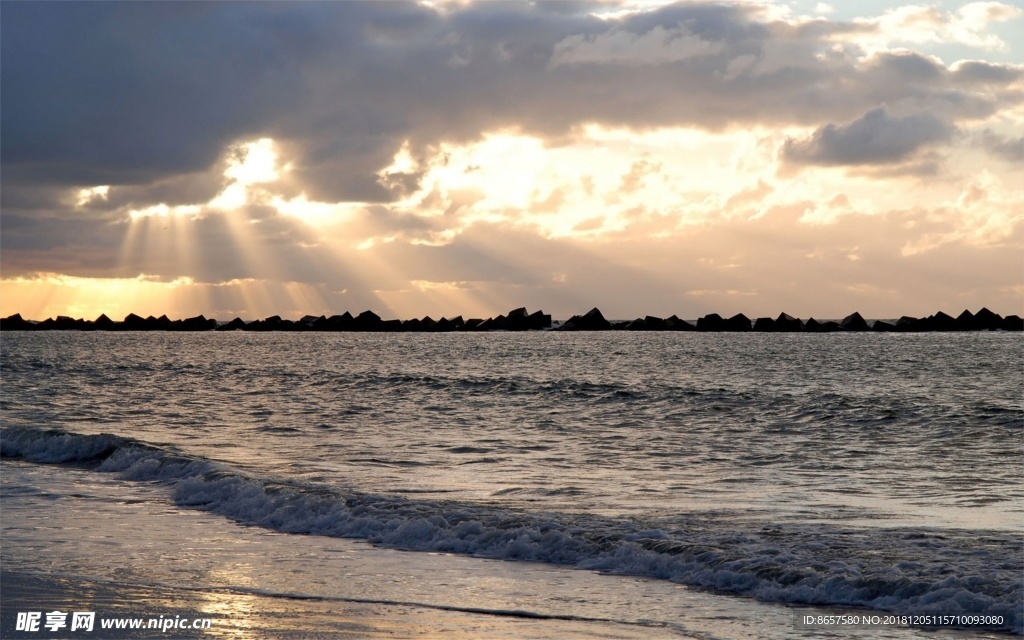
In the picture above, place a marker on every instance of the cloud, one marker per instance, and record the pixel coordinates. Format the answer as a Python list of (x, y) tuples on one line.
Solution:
[(876, 138), (135, 94), (920, 24), (124, 94), (974, 72), (657, 46), (985, 213), (1006, 148)]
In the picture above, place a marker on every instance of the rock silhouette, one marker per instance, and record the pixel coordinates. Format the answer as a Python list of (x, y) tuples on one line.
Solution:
[(786, 322), (854, 322), (1013, 323), (521, 320), (592, 320), (711, 322), (738, 322)]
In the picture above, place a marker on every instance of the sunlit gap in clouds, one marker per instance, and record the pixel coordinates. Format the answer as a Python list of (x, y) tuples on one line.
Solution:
[(247, 164), (594, 183), (167, 233), (85, 196)]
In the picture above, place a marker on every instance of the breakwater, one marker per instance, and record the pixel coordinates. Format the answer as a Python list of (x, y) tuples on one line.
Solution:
[(520, 320)]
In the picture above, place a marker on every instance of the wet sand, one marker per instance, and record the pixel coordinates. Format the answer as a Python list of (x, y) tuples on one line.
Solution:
[(247, 615)]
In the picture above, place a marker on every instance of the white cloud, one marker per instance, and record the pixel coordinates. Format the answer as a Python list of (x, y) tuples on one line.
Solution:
[(85, 196), (985, 213), (925, 24)]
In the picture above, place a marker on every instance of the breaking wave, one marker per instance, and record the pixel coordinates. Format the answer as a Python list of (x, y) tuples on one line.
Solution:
[(901, 570)]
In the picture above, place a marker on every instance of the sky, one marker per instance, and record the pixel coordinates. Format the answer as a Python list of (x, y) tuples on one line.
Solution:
[(444, 158)]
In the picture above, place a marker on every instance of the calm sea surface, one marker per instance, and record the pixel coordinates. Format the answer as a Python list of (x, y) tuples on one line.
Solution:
[(879, 471)]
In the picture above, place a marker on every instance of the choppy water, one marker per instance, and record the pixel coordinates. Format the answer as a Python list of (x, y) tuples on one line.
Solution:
[(880, 471)]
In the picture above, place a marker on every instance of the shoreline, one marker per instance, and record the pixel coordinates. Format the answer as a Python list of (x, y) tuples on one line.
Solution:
[(236, 613), (122, 552)]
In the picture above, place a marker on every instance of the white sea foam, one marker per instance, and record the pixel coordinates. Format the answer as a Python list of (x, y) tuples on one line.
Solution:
[(899, 570)]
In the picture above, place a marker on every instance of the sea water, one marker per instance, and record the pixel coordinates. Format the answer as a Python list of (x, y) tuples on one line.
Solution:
[(668, 483)]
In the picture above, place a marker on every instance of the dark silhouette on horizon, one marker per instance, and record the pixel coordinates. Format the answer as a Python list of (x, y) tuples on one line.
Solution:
[(520, 320)]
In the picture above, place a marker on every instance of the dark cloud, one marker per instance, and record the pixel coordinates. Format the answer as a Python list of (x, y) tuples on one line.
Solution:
[(916, 81), (1005, 148), (184, 189), (876, 138), (980, 72), (906, 67), (924, 166), (127, 93), (30, 197), (51, 242)]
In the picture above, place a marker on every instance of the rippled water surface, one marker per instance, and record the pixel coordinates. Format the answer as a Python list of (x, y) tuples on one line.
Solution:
[(837, 448), (897, 428)]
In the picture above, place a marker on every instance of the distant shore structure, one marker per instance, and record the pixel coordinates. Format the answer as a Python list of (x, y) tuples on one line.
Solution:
[(520, 320)]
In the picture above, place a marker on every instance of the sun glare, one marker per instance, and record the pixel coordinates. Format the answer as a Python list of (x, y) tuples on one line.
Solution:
[(500, 171), (403, 162), (163, 211), (253, 162), (313, 213), (248, 164), (601, 182), (85, 196)]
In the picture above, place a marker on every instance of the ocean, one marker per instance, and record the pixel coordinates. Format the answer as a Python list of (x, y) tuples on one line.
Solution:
[(541, 484)]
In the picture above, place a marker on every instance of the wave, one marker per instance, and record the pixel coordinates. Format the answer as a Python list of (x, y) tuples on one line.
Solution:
[(900, 570), (509, 385)]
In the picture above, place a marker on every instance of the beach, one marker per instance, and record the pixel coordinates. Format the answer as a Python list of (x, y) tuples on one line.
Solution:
[(254, 583)]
